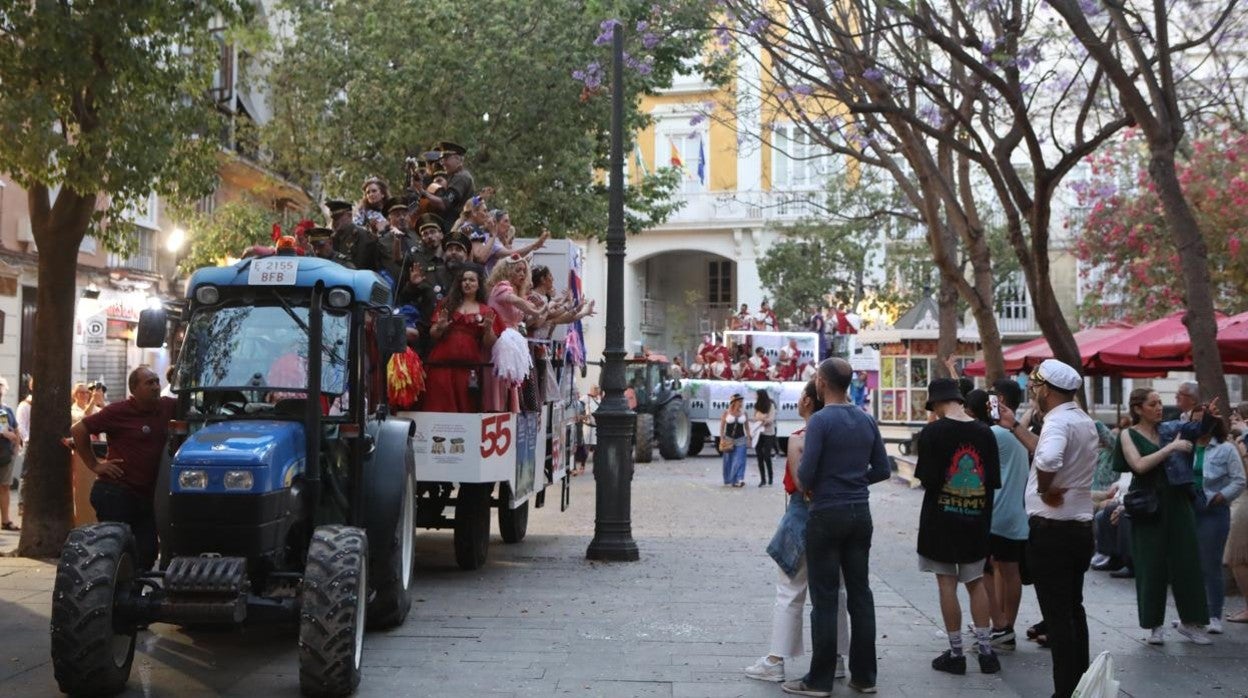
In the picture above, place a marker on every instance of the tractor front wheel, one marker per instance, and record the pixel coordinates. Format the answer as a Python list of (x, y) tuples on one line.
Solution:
[(92, 648), (331, 622)]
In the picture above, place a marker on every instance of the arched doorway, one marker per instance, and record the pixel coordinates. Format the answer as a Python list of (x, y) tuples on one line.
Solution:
[(682, 295)]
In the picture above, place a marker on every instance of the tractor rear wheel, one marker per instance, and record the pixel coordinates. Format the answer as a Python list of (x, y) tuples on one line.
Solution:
[(673, 428), (92, 649), (331, 622), (472, 524), (643, 451), (393, 579), (513, 524)]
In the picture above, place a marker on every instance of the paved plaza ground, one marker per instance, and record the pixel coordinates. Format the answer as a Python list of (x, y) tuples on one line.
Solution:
[(539, 620)]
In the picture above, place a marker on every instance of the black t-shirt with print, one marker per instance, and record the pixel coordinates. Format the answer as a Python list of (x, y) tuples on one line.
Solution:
[(959, 467)]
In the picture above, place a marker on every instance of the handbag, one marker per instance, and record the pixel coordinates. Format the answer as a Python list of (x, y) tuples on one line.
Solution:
[(726, 444), (1141, 504), (1098, 681)]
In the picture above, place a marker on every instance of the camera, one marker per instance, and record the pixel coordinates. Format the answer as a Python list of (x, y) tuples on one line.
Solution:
[(994, 407), (97, 385)]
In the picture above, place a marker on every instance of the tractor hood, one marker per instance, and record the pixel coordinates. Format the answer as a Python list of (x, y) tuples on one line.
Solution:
[(273, 451)]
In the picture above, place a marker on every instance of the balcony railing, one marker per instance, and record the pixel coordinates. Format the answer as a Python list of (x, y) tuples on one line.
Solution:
[(735, 207)]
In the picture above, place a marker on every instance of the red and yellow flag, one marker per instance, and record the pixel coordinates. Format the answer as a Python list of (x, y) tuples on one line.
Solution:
[(675, 157)]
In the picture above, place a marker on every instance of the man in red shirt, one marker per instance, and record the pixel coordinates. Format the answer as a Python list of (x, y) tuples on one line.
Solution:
[(137, 429)]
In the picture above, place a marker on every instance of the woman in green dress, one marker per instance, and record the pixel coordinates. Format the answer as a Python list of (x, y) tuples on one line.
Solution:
[(1164, 544)]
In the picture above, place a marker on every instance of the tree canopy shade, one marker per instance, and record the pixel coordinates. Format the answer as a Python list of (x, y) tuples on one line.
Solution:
[(102, 102), (359, 86)]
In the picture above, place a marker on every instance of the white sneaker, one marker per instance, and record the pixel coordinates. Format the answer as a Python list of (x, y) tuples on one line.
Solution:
[(1099, 559), (1158, 636), (840, 667), (764, 670), (1194, 633), (1215, 626)]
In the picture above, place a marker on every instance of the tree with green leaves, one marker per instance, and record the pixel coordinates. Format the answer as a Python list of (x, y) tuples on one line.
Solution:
[(226, 232), (360, 86), (102, 103)]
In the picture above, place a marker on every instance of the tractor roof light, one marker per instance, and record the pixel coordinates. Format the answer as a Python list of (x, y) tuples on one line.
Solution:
[(338, 298), (208, 294)]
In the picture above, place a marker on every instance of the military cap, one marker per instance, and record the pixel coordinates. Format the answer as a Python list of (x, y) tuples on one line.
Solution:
[(431, 156), (458, 238), (429, 220), (319, 234), (448, 148), (337, 206), (396, 205)]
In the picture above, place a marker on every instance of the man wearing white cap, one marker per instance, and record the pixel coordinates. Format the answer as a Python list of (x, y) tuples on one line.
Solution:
[(1059, 510)]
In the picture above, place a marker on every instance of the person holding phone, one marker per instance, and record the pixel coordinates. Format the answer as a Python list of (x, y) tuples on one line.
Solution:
[(137, 428)]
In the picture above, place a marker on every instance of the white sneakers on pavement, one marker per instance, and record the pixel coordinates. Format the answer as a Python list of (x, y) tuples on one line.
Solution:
[(1158, 637), (1193, 633), (1215, 626), (764, 670)]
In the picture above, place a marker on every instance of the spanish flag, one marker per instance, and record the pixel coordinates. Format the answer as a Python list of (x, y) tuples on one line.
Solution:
[(675, 157)]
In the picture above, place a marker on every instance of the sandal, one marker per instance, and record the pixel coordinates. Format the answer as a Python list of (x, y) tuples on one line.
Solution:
[(8, 526), (1035, 631), (1241, 617)]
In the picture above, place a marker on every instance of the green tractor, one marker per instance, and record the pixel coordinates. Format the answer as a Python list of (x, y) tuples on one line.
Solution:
[(662, 415)]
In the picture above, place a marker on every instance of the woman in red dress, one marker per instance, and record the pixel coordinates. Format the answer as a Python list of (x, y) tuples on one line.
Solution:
[(463, 332)]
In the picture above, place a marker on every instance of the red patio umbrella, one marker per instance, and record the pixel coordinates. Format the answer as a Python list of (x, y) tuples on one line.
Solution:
[(1028, 355), (1232, 342)]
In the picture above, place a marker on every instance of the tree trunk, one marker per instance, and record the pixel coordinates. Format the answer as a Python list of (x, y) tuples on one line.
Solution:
[(47, 478), (947, 340), (1200, 318)]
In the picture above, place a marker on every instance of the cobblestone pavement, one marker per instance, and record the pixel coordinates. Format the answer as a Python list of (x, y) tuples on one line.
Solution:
[(539, 620)]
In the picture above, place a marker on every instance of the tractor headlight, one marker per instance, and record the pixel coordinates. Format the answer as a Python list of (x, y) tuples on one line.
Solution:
[(238, 480), (193, 480), (338, 298), (208, 294)]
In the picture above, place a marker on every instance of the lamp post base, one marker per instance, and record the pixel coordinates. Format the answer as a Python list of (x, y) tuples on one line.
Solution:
[(613, 481)]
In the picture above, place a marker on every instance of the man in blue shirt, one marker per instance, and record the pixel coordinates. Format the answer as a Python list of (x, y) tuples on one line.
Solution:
[(844, 454)]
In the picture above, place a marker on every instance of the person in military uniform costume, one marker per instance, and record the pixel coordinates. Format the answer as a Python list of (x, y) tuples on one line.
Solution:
[(428, 283), (321, 241), (354, 242), (449, 201), (393, 244)]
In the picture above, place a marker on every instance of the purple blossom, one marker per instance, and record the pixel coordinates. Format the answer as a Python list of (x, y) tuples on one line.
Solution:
[(642, 25), (757, 26), (591, 76), (644, 66), (836, 72), (649, 40), (723, 35), (1091, 8), (697, 119), (873, 74), (804, 90), (607, 32)]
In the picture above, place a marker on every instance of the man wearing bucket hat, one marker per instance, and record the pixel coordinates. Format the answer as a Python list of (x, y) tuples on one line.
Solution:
[(960, 469), (1059, 510)]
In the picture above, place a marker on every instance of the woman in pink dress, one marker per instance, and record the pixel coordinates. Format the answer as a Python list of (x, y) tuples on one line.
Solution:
[(508, 286)]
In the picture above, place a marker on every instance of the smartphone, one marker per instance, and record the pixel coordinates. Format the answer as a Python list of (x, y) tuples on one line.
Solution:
[(994, 407)]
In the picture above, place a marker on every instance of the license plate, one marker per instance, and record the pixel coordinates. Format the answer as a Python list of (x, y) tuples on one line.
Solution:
[(273, 271)]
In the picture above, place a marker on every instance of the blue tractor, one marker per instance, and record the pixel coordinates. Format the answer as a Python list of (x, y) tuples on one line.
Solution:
[(289, 491)]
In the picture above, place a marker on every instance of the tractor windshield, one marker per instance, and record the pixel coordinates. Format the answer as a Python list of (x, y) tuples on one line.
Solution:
[(260, 347)]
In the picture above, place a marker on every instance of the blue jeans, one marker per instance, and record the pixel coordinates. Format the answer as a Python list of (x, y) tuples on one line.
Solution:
[(734, 463), (1213, 525), (113, 502), (838, 541)]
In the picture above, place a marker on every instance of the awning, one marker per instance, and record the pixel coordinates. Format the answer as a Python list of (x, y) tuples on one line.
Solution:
[(1028, 355), (1232, 342), (1121, 355)]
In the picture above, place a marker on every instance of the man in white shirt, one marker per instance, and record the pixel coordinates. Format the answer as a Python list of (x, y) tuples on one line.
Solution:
[(1059, 510)]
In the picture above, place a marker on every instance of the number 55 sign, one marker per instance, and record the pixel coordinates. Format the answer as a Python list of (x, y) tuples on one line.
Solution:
[(495, 435)]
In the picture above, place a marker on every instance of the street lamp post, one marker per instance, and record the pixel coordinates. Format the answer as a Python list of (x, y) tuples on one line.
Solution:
[(617, 424)]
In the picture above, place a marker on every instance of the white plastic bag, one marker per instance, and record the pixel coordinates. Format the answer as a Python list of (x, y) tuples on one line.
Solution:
[(1098, 681)]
